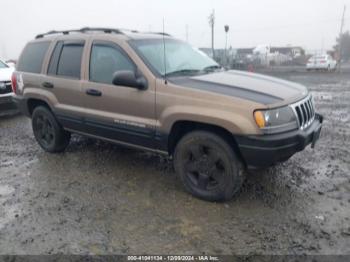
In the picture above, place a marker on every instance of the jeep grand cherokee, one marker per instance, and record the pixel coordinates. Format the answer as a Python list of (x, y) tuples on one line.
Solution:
[(154, 92)]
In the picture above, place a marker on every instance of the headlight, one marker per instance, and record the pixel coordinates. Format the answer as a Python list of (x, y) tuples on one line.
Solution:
[(276, 120)]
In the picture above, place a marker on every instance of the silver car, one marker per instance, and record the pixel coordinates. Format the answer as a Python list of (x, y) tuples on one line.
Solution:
[(321, 62)]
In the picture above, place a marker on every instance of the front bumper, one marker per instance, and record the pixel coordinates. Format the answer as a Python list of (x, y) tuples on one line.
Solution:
[(7, 106), (266, 150)]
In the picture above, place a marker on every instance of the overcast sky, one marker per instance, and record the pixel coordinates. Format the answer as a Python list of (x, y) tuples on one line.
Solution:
[(312, 24)]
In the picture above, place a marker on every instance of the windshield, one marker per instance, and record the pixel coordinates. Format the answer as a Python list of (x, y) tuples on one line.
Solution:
[(3, 65), (181, 58)]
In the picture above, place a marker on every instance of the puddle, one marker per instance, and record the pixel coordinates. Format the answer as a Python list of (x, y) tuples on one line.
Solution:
[(8, 216), (10, 212), (6, 190), (7, 163), (322, 95), (335, 84), (340, 115)]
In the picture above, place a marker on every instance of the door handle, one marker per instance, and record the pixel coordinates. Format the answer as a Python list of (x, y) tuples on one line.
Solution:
[(47, 85), (93, 92)]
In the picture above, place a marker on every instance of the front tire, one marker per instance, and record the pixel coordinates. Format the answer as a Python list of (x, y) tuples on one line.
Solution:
[(48, 132), (208, 166)]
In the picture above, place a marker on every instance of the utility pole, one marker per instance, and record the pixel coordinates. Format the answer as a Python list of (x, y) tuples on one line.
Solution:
[(212, 23), (341, 39)]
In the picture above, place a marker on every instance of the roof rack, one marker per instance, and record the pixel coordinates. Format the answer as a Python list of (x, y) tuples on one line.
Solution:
[(98, 29), (81, 30)]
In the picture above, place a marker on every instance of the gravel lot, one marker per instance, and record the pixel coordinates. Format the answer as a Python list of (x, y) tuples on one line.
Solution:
[(98, 198)]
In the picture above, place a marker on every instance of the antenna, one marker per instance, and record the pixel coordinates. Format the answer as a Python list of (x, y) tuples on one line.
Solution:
[(341, 39), (165, 79)]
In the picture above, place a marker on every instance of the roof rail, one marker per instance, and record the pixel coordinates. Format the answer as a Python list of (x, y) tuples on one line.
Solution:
[(52, 32), (81, 30), (92, 29), (103, 29), (159, 33)]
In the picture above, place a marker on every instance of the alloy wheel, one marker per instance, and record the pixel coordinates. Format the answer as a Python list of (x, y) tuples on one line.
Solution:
[(204, 167)]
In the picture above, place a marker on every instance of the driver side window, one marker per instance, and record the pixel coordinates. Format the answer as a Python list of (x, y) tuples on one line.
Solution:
[(105, 60)]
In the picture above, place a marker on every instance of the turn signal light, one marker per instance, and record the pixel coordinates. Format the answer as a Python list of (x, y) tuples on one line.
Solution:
[(259, 119)]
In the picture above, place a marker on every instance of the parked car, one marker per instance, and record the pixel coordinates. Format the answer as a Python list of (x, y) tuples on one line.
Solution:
[(323, 62), (153, 92), (7, 106), (11, 63)]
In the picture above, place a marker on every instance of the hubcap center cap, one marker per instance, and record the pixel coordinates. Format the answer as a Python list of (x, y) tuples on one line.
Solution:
[(203, 165)]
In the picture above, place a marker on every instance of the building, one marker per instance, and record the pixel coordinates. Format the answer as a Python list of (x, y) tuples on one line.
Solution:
[(261, 55), (292, 51)]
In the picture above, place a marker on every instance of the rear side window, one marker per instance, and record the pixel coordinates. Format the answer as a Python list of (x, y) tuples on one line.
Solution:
[(32, 57), (105, 60), (66, 59)]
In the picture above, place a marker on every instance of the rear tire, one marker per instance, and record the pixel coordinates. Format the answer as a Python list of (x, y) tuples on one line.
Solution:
[(208, 166), (48, 132)]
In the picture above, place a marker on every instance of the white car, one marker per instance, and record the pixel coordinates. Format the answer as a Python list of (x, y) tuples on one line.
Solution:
[(323, 62), (6, 104)]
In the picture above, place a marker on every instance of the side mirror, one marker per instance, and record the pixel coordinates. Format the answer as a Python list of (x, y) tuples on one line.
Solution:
[(129, 79)]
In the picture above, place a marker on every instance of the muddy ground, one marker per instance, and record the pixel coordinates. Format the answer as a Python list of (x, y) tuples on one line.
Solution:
[(98, 198)]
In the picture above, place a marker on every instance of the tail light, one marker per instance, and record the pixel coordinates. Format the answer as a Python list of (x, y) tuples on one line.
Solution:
[(14, 82)]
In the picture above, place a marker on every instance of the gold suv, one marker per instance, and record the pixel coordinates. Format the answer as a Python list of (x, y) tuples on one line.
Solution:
[(154, 92)]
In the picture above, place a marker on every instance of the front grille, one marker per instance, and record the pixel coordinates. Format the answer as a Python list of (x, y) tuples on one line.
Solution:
[(7, 89), (305, 112)]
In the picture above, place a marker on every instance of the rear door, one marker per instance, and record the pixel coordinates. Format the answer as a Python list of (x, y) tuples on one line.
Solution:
[(119, 113), (64, 81)]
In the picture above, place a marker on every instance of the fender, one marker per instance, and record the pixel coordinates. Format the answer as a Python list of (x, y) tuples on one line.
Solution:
[(232, 122), (40, 94)]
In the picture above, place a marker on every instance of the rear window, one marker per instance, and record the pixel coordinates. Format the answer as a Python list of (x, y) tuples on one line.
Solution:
[(32, 57)]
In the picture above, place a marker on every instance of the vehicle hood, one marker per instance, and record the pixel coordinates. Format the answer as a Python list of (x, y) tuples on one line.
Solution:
[(6, 73), (250, 86)]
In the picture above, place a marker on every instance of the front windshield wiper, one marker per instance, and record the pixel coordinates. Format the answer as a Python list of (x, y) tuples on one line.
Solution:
[(211, 68), (183, 72)]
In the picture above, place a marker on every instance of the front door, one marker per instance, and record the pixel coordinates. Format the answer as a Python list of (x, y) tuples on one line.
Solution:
[(118, 113)]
